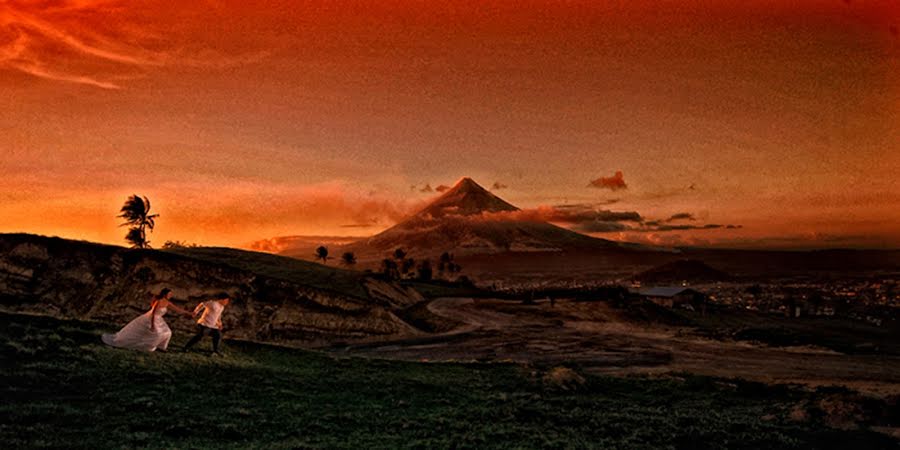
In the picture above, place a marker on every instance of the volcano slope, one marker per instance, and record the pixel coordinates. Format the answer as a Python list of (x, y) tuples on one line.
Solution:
[(468, 220)]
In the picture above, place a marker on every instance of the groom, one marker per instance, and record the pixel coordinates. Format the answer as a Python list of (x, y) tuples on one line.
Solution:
[(210, 321)]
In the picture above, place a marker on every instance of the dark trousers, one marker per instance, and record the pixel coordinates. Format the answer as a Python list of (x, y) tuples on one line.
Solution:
[(203, 331)]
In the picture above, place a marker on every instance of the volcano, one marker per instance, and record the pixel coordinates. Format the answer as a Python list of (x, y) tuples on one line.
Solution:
[(467, 198), (470, 220)]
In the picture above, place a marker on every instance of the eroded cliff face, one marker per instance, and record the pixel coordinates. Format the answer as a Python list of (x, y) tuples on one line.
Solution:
[(111, 284)]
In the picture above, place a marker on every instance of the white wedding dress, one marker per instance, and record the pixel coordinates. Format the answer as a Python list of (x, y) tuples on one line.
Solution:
[(137, 335)]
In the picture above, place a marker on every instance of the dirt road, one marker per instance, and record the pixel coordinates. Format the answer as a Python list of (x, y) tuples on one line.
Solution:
[(596, 338)]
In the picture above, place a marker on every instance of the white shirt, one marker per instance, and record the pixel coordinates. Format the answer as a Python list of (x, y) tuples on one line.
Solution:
[(212, 311)]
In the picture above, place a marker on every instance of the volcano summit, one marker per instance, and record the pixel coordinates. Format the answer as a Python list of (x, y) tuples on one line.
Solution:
[(465, 220)]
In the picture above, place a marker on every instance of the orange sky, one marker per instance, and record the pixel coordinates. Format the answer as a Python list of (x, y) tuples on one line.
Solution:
[(246, 120)]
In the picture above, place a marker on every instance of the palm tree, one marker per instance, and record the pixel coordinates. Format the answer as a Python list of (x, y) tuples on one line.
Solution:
[(348, 259), (399, 254), (322, 253), (136, 212)]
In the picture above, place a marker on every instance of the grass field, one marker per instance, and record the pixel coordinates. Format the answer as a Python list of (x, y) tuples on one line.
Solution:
[(63, 389), (331, 277), (836, 333)]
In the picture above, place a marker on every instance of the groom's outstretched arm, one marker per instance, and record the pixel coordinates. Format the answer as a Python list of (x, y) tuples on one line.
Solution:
[(199, 308)]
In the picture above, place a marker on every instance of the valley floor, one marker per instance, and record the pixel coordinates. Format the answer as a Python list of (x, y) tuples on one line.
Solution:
[(62, 388), (599, 339)]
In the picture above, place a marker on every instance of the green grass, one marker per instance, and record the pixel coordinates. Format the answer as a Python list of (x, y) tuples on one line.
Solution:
[(327, 277), (330, 278), (836, 333), (62, 388)]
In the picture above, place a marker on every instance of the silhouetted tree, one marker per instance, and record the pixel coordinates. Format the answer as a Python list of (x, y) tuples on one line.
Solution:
[(399, 254), (179, 244), (136, 212), (407, 265), (136, 238), (448, 265), (390, 269), (424, 271), (322, 253), (443, 262), (348, 259)]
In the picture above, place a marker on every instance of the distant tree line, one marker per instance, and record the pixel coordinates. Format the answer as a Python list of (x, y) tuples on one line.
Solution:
[(179, 244), (399, 265)]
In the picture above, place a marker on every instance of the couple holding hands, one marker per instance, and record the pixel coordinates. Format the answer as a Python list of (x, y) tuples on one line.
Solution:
[(150, 332)]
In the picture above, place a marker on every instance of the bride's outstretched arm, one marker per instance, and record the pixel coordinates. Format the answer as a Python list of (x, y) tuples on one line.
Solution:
[(180, 310)]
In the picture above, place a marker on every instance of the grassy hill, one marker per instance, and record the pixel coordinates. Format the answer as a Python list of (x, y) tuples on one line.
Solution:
[(63, 389), (327, 277), (276, 299), (307, 273)]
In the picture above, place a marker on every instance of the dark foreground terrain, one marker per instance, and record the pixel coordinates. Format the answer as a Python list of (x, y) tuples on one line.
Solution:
[(642, 338), (63, 389)]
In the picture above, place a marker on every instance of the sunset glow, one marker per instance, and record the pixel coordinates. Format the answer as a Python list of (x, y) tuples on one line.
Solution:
[(241, 121)]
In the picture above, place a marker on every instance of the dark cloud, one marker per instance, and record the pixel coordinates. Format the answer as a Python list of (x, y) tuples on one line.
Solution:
[(680, 216), (442, 188), (711, 226), (591, 218), (600, 227), (615, 182), (595, 204), (567, 214), (498, 186), (579, 217), (426, 188), (577, 213)]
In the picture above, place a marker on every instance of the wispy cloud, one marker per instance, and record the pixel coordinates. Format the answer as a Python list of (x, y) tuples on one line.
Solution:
[(92, 42), (38, 70), (591, 218)]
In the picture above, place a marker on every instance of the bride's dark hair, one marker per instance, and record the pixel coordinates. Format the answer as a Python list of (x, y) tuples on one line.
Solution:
[(162, 293)]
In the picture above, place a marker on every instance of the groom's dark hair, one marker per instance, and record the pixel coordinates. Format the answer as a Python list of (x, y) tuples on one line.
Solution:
[(221, 295)]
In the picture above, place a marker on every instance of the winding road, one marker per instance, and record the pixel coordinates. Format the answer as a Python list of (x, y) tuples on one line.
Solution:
[(597, 338)]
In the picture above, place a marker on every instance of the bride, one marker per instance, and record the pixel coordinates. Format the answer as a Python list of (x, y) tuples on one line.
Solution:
[(147, 332)]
